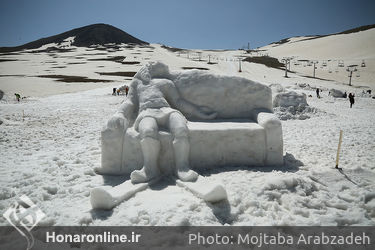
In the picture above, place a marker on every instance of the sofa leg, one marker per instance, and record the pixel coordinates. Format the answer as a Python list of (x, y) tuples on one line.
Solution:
[(150, 149), (181, 150)]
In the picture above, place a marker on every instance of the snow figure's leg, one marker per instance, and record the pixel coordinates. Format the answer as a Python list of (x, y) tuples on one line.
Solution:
[(181, 147), (148, 129)]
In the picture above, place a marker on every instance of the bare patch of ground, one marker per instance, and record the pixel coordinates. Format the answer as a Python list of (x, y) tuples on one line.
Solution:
[(195, 68), (123, 73), (65, 78)]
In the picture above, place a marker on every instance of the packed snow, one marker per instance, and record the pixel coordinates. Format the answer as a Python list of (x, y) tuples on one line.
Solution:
[(50, 146)]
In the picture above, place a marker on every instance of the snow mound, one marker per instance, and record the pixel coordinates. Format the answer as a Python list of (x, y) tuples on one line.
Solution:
[(291, 106), (292, 183), (6, 193), (277, 88), (336, 93)]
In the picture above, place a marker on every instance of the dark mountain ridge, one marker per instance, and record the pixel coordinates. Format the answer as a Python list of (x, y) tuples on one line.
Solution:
[(98, 34)]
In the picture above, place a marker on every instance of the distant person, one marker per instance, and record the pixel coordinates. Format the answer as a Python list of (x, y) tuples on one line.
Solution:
[(18, 97), (118, 91), (317, 92), (126, 90), (114, 91), (351, 99), (345, 95)]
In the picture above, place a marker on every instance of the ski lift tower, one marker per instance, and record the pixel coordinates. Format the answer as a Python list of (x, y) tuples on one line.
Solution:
[(239, 66), (350, 69), (286, 61), (314, 67)]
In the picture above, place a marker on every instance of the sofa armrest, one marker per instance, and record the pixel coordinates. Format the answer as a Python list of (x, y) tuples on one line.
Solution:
[(274, 137), (112, 140)]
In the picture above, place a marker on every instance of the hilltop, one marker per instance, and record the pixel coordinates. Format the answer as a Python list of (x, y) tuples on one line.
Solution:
[(95, 34)]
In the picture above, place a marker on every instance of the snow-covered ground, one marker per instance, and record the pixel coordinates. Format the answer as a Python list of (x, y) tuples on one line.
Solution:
[(328, 52), (50, 144)]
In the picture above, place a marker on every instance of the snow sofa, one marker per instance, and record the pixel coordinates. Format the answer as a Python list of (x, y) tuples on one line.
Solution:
[(245, 132)]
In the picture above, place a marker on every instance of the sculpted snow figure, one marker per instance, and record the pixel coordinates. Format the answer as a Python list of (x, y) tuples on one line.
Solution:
[(172, 121), (151, 99)]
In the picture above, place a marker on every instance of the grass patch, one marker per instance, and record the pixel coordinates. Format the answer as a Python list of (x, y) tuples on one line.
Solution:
[(76, 63), (65, 78), (195, 68), (111, 58), (130, 62), (123, 73), (146, 47), (8, 60), (265, 60), (172, 49), (51, 50), (12, 75)]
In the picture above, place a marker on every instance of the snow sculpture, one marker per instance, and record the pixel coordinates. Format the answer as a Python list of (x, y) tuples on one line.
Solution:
[(172, 121), (290, 98), (337, 93), (153, 97)]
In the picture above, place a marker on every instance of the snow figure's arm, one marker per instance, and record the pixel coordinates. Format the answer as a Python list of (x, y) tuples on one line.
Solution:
[(120, 120), (185, 106)]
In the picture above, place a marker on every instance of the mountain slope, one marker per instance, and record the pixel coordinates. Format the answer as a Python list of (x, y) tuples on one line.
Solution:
[(311, 37), (352, 44), (84, 37)]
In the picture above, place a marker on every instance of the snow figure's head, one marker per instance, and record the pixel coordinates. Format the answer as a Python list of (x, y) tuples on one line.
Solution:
[(152, 70)]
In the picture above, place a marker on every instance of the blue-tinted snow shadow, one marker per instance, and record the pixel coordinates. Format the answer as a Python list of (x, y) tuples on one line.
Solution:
[(222, 209), (114, 180), (100, 214), (291, 164)]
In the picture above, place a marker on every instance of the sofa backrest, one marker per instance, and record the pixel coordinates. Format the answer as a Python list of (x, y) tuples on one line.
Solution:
[(231, 97)]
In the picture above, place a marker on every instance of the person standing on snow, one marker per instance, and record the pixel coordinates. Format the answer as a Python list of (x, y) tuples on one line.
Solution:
[(126, 90), (351, 99), (18, 97)]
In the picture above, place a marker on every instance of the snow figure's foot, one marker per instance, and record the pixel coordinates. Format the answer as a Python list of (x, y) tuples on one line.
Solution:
[(141, 176), (186, 174)]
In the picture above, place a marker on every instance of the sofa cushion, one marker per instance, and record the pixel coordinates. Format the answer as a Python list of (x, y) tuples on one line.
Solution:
[(213, 144)]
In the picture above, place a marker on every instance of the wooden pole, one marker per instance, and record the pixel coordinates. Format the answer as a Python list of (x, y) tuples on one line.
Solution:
[(338, 150)]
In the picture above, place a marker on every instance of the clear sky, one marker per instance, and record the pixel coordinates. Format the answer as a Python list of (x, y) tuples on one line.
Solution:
[(200, 24)]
